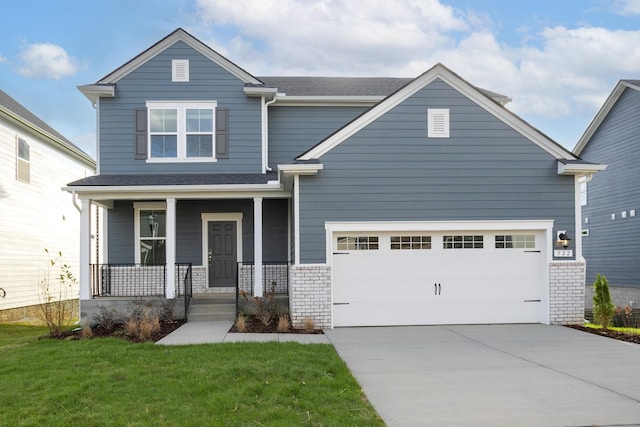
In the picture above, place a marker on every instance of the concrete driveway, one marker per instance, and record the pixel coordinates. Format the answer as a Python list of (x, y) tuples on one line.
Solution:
[(492, 375)]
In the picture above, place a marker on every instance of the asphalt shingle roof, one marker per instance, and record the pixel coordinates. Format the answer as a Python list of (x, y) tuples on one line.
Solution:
[(18, 109), (175, 179), (336, 86)]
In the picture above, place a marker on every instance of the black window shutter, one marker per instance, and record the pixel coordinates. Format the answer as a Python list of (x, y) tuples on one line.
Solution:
[(141, 134), (222, 133)]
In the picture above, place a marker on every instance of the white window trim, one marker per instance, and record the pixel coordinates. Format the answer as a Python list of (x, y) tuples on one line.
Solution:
[(20, 160), (181, 107), (143, 206)]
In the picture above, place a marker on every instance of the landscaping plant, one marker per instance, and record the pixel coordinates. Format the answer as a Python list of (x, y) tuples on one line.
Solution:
[(56, 309), (603, 308)]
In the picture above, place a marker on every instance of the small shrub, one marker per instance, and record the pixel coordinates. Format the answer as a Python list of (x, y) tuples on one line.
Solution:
[(265, 308), (56, 309), (142, 323), (309, 324), (283, 323), (104, 318), (131, 328), (241, 323), (603, 308)]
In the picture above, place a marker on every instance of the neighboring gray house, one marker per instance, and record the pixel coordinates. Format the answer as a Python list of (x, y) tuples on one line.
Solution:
[(370, 201), (611, 200), (35, 162)]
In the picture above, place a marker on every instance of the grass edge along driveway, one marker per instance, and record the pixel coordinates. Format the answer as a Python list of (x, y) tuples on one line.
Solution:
[(107, 381)]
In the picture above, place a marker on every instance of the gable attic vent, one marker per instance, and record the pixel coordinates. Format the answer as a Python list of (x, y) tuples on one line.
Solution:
[(180, 70), (438, 123)]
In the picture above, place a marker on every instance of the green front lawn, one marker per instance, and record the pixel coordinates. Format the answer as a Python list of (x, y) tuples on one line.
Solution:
[(107, 381)]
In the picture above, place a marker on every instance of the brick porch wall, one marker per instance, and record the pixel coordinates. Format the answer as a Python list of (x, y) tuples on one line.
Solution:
[(566, 292), (310, 294)]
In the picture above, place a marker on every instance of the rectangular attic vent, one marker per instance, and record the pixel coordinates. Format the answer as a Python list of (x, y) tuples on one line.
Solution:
[(180, 70), (438, 123)]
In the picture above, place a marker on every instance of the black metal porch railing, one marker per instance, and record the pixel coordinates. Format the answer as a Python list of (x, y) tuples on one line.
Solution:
[(136, 280), (275, 277), (184, 284)]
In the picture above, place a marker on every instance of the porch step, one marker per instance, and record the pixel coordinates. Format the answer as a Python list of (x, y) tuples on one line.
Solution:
[(208, 308)]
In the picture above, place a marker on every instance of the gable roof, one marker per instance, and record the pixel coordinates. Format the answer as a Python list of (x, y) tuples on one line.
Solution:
[(104, 86), (439, 71), (617, 91), (17, 113)]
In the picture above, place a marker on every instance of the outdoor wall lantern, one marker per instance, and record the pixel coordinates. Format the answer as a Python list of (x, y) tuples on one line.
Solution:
[(563, 239)]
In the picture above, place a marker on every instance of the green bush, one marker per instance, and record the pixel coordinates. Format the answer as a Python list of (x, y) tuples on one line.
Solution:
[(603, 308)]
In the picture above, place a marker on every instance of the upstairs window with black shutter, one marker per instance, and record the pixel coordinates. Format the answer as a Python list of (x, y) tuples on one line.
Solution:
[(182, 131)]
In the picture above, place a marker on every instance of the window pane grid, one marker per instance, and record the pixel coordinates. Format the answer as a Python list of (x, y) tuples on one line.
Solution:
[(357, 243), (516, 241), (181, 130), (462, 242), (410, 242)]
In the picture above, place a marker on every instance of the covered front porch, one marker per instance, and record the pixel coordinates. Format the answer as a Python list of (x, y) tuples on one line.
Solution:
[(173, 242)]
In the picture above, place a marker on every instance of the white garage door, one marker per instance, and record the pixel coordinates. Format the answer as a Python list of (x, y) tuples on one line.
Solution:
[(424, 278)]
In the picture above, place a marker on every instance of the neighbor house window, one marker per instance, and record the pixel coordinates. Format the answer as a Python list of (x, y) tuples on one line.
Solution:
[(410, 242), (357, 243), (516, 241), (151, 233), (462, 242), (181, 130), (23, 162)]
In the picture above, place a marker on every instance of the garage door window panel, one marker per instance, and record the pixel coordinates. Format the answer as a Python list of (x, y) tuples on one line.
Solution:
[(358, 243), (462, 242), (410, 242), (516, 241)]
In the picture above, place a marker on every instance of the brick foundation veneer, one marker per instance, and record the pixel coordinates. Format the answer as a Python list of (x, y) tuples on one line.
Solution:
[(566, 292), (310, 294)]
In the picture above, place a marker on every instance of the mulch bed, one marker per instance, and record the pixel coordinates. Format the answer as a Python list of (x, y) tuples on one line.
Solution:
[(254, 325), (633, 338)]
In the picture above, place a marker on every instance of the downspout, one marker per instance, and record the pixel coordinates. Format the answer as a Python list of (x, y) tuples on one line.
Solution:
[(265, 132), (75, 201)]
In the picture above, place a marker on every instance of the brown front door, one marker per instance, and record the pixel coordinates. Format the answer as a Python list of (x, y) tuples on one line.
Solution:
[(222, 252)]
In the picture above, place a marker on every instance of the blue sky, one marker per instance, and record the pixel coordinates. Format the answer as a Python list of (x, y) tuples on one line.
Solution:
[(558, 60)]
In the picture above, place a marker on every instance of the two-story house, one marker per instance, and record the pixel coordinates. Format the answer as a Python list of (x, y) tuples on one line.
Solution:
[(373, 201), (611, 200), (35, 162)]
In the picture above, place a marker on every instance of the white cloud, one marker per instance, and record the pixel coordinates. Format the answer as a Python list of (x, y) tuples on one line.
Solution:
[(2, 59), (626, 7), (45, 60), (552, 72)]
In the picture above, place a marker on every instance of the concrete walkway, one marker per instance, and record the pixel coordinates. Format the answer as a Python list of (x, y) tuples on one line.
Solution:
[(493, 375), (217, 332)]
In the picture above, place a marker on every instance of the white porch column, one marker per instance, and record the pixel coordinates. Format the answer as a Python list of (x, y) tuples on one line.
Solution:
[(171, 248), (257, 246), (85, 250), (296, 218)]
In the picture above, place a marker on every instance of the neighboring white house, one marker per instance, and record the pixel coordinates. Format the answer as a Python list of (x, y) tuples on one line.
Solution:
[(35, 162)]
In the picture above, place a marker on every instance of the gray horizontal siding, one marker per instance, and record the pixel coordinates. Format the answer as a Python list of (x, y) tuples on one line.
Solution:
[(485, 171), (152, 81), (121, 240), (293, 130), (613, 247)]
